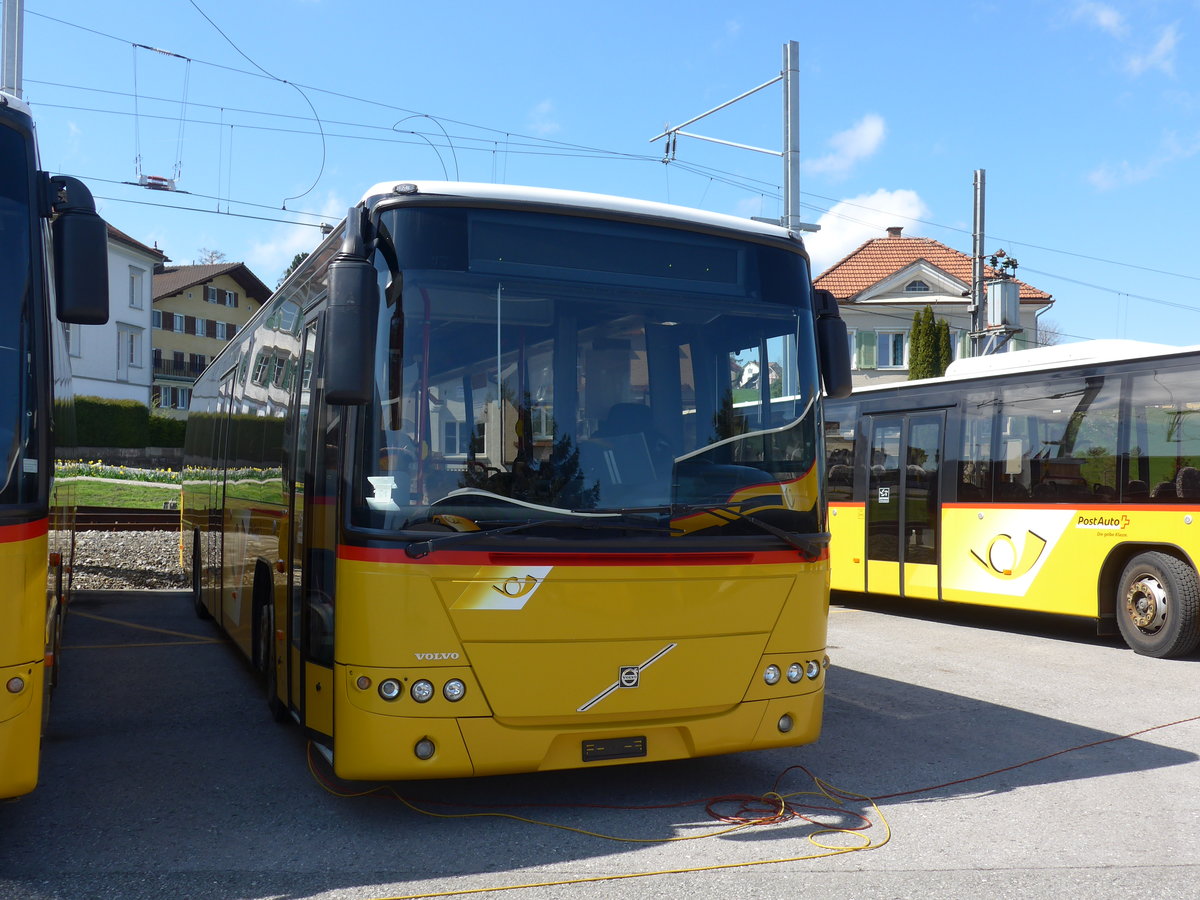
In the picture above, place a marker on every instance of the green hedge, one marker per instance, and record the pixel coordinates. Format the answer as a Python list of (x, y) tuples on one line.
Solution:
[(101, 422)]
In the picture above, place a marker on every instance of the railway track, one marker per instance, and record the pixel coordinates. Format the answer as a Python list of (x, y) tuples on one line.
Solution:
[(115, 518)]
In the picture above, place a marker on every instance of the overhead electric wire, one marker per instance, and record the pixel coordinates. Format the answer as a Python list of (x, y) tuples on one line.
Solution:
[(586, 152)]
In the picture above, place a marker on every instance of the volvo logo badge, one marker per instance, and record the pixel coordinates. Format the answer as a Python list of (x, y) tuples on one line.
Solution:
[(628, 677)]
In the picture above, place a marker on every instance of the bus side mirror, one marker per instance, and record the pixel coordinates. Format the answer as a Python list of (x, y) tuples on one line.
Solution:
[(833, 346), (350, 320), (80, 254)]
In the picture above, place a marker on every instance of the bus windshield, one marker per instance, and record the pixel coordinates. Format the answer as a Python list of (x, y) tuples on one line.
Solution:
[(14, 287), (538, 368)]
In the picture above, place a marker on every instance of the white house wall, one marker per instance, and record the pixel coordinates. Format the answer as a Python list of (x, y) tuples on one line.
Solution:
[(96, 369)]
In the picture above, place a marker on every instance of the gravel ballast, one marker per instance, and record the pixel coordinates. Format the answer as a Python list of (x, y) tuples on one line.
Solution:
[(127, 561)]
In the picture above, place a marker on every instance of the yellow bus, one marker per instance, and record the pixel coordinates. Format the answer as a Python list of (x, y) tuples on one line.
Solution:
[(1059, 480), (508, 479), (44, 269)]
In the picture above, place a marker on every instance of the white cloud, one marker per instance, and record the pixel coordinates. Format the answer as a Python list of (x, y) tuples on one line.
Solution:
[(1161, 56), (541, 119), (851, 222), (268, 259), (1103, 16), (1171, 150), (856, 143)]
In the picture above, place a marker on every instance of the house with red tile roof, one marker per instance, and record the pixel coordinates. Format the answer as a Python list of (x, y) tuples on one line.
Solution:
[(197, 310), (882, 284)]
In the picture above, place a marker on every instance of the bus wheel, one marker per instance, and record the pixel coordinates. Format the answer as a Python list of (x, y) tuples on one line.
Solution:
[(197, 594), (1158, 606), (265, 662)]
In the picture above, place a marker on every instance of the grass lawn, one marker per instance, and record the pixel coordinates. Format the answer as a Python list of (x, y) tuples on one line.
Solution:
[(132, 495)]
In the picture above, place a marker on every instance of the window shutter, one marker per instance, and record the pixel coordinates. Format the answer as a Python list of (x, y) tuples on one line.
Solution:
[(189, 324), (168, 322), (210, 328), (866, 350)]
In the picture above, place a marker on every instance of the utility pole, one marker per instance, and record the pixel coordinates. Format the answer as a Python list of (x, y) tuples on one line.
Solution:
[(978, 289), (13, 46), (790, 76)]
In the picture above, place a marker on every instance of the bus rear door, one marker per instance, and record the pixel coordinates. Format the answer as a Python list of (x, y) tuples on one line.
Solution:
[(902, 503)]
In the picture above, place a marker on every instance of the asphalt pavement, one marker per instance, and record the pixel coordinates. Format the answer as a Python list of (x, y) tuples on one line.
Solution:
[(970, 753)]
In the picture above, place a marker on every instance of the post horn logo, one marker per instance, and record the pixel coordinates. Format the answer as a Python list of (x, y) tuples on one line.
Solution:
[(1003, 559)]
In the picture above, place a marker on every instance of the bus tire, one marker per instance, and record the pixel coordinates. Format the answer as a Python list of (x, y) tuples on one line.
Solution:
[(202, 612), (1158, 606), (265, 662)]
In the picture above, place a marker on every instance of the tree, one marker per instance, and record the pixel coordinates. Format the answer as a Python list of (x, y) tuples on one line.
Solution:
[(928, 346), (945, 352), (922, 346), (210, 257), (296, 260), (1049, 333)]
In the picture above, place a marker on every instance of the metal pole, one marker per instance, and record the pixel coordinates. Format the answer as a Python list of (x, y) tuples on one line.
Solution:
[(791, 135), (978, 292), (13, 46)]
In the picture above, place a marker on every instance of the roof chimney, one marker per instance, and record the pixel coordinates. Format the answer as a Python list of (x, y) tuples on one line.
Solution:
[(894, 230)]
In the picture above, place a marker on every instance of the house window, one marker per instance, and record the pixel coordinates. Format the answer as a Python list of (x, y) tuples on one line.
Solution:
[(456, 438), (177, 319), (200, 326), (891, 349), (219, 332), (212, 294), (156, 319), (260, 367), (916, 286), (852, 337), (135, 287), (231, 298)]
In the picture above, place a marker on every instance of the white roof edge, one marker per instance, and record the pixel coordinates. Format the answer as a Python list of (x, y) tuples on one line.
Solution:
[(1039, 359), (580, 200), (16, 103), (1079, 353)]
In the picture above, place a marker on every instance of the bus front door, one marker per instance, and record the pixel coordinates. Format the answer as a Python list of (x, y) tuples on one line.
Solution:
[(902, 504)]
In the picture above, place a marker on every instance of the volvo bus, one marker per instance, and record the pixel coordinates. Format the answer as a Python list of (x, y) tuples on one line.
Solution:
[(53, 269), (1060, 480), (509, 479)]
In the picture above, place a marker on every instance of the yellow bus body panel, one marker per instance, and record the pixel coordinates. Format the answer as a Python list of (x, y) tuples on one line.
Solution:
[(847, 547), (1047, 559), (543, 650), (23, 638)]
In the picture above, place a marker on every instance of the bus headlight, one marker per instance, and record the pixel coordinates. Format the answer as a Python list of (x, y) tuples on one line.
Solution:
[(389, 689), (16, 684), (453, 690), (812, 668), (795, 672), (422, 691), (772, 674)]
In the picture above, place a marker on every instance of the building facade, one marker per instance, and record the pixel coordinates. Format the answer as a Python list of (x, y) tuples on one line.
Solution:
[(882, 284), (113, 360), (197, 309)]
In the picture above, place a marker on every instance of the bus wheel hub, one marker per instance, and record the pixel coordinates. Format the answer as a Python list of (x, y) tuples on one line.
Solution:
[(1146, 603)]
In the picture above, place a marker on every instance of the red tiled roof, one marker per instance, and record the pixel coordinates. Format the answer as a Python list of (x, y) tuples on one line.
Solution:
[(172, 280), (879, 258), (116, 234)]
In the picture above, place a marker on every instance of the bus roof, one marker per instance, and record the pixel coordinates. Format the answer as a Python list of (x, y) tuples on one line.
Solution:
[(1041, 359), (508, 193), (14, 102), (1037, 358)]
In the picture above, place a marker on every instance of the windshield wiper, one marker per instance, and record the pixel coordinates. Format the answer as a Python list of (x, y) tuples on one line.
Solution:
[(419, 549), (809, 544)]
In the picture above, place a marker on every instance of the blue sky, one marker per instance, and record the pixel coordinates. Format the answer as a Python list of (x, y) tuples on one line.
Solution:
[(1085, 116)]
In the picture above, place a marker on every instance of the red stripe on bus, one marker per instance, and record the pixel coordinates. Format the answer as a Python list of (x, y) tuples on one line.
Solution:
[(486, 558), (11, 534)]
